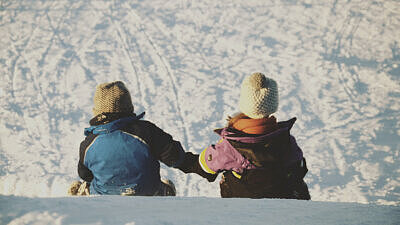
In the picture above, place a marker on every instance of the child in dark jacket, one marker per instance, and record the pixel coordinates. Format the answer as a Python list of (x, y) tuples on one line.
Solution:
[(258, 156), (121, 152)]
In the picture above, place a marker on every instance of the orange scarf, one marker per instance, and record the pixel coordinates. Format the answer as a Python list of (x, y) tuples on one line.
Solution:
[(256, 126)]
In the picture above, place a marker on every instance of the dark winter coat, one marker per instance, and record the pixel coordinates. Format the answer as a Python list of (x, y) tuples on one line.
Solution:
[(258, 165), (121, 152)]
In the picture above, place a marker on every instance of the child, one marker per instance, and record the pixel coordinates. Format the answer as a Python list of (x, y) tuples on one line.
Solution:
[(121, 152), (258, 156)]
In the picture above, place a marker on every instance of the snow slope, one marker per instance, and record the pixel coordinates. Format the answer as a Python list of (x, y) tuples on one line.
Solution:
[(336, 63), (189, 210)]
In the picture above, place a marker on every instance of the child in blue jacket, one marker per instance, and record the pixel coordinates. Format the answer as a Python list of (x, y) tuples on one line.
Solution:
[(121, 152)]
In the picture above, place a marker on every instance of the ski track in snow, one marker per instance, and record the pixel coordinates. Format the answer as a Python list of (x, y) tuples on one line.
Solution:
[(337, 65), (146, 41)]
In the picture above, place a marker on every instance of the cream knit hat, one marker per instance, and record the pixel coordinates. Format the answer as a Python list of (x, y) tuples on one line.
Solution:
[(112, 97), (258, 96)]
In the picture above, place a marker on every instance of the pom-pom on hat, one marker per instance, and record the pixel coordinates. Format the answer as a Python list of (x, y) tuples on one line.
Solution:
[(258, 96), (112, 97)]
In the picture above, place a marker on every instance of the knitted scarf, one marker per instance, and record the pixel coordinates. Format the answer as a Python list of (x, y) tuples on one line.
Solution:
[(254, 126)]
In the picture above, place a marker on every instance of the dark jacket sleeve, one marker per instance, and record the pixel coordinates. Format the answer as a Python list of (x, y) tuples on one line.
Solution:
[(172, 154), (161, 144), (168, 150), (83, 171)]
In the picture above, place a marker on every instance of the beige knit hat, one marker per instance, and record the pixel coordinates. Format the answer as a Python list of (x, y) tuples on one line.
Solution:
[(112, 97), (258, 96)]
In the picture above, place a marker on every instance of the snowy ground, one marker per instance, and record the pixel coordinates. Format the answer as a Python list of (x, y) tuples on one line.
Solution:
[(337, 64), (194, 210)]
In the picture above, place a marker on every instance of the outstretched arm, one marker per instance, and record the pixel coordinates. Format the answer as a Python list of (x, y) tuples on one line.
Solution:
[(169, 151)]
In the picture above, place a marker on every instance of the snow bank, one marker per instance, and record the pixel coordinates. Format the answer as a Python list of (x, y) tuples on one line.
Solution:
[(184, 210)]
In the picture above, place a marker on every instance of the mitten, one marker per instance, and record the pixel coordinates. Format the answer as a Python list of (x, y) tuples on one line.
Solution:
[(191, 165)]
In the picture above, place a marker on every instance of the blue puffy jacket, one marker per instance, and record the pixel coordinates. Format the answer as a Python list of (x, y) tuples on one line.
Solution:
[(121, 156)]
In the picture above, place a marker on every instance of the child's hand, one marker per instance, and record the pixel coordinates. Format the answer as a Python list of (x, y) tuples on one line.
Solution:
[(191, 165)]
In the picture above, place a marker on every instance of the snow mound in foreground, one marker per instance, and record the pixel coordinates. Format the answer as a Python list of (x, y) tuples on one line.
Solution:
[(186, 210)]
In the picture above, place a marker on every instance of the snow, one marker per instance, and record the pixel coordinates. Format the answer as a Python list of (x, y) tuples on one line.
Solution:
[(336, 64), (189, 210)]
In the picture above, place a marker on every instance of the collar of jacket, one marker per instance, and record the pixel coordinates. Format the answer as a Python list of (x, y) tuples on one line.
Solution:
[(107, 117), (111, 126), (235, 135), (256, 126)]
